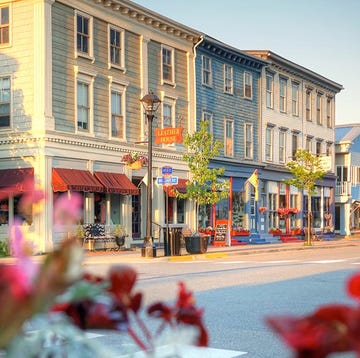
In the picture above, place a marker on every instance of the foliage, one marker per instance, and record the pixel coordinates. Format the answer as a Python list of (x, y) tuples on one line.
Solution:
[(4, 248), (67, 301), (204, 187), (306, 170), (332, 328), (133, 157), (119, 231)]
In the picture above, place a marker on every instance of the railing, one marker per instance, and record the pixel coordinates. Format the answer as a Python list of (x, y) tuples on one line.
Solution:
[(343, 188)]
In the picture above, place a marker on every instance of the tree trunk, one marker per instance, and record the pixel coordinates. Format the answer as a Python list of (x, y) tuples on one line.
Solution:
[(309, 222)]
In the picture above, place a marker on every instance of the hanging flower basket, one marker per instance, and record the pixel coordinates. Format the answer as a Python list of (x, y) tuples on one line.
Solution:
[(262, 209), (134, 160)]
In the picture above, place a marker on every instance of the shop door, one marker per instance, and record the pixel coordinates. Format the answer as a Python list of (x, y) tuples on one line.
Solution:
[(136, 214)]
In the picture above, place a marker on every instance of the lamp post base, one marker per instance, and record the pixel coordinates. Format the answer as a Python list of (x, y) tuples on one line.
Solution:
[(148, 249)]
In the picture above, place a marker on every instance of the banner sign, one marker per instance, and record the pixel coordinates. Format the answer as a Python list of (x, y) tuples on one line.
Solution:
[(168, 135)]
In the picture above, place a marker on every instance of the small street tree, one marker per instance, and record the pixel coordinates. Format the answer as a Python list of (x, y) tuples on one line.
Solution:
[(205, 185), (306, 170)]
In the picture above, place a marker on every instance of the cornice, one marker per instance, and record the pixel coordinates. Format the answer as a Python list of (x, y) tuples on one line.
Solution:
[(144, 16)]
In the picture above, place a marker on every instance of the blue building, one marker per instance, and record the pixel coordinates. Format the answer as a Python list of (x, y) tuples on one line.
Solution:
[(227, 95)]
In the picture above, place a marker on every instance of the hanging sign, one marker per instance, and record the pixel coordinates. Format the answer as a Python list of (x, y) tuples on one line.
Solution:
[(168, 135)]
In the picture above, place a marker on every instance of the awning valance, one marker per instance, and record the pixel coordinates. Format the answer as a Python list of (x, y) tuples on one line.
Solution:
[(64, 179), (116, 183), (180, 187), (16, 180)]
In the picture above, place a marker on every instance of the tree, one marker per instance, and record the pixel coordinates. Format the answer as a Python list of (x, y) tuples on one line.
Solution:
[(306, 170), (205, 185)]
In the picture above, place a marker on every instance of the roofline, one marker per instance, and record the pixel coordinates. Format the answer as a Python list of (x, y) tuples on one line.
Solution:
[(268, 54)]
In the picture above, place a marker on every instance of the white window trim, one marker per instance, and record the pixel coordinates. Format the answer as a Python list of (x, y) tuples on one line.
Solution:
[(203, 70), (210, 115), (164, 81), (11, 101), (231, 91), (120, 87), (282, 132), (310, 92), (283, 97), (77, 53), (251, 128), (170, 101), (87, 77), (297, 86), (319, 109), (120, 67), (10, 26), (251, 85), (329, 111), (271, 154), (271, 104), (230, 120)]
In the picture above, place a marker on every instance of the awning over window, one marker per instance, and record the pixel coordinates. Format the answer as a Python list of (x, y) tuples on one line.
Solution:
[(116, 183), (74, 179), (16, 180), (181, 187)]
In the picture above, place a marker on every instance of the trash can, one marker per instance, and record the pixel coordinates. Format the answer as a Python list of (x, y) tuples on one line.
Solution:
[(172, 244), (197, 244)]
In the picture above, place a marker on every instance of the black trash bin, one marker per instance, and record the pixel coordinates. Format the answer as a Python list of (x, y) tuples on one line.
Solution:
[(196, 244), (172, 244)]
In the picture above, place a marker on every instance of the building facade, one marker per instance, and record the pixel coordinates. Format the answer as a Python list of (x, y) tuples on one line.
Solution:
[(347, 191), (297, 111), (72, 74)]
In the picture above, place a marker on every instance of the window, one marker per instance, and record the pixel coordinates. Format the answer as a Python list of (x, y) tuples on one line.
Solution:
[(248, 140), (283, 84), (282, 146), (295, 144), (167, 116), (116, 47), (117, 118), (167, 64), (318, 148), (329, 149), (228, 79), (247, 85), (206, 116), (308, 105), (295, 99), (4, 25), (206, 71), (84, 102), (329, 112), (83, 106), (83, 35), (318, 109), (342, 174), (309, 144), (229, 137), (5, 95), (269, 143), (269, 91)]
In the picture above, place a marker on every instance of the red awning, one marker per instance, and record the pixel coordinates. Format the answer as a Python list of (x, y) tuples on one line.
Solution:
[(116, 183), (74, 179), (16, 180), (180, 187)]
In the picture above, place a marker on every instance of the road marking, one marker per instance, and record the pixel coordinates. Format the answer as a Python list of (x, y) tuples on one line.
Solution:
[(324, 261)]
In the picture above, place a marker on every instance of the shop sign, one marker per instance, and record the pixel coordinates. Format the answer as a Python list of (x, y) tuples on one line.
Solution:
[(168, 135)]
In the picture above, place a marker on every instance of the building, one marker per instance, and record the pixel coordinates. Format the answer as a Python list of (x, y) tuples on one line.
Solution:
[(297, 111), (347, 163), (228, 96), (72, 73)]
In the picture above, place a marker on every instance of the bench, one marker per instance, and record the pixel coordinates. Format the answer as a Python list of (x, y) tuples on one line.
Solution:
[(95, 236)]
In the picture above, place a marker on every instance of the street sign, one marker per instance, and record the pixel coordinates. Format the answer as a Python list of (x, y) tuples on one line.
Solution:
[(166, 170), (167, 180)]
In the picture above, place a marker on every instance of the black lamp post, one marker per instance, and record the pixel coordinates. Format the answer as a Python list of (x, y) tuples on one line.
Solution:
[(150, 103)]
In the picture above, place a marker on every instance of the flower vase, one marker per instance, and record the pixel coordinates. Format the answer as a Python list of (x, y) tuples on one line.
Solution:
[(135, 165)]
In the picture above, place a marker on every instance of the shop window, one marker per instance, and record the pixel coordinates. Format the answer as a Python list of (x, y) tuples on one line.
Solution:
[(205, 216), (180, 209), (238, 210), (100, 208), (4, 212)]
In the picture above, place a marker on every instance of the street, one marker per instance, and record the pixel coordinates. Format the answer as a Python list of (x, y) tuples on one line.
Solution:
[(238, 291)]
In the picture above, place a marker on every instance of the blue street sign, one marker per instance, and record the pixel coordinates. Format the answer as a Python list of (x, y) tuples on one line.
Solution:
[(167, 180), (166, 170)]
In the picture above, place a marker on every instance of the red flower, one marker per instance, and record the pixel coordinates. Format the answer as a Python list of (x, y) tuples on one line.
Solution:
[(353, 286)]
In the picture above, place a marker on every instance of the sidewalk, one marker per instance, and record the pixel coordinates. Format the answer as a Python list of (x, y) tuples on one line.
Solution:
[(223, 251)]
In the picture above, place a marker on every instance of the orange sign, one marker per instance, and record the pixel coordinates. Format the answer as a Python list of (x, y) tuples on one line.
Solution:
[(168, 135)]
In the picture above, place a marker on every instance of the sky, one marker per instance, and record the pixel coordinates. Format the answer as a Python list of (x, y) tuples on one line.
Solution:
[(321, 35)]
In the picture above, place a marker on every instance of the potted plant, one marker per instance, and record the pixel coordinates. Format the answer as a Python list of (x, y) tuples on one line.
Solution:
[(119, 234), (134, 160)]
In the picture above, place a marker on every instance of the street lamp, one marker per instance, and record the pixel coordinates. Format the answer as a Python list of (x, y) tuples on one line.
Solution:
[(150, 103)]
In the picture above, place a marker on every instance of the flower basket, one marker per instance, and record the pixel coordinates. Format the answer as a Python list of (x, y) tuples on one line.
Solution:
[(134, 166), (262, 209), (134, 160)]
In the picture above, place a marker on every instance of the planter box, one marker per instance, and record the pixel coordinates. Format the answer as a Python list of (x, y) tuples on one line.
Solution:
[(196, 244), (240, 233)]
